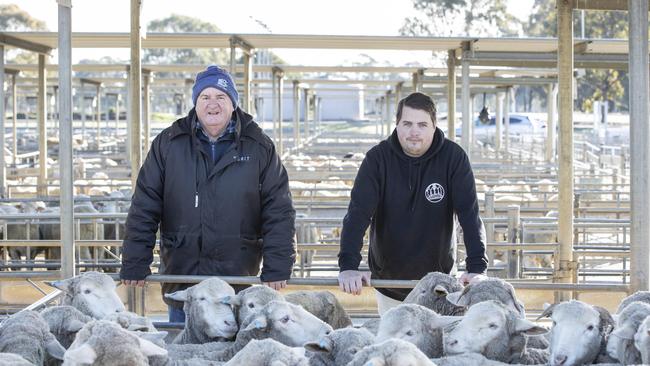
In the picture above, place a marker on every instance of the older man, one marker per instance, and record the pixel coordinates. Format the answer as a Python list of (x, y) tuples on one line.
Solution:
[(217, 187), (408, 189)]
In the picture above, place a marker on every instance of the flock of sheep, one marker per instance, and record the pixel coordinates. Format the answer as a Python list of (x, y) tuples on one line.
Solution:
[(440, 323)]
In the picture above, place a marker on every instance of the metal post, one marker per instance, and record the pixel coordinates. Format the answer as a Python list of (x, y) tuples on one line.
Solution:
[(42, 128), (274, 104), (248, 75), (65, 140), (551, 101), (506, 122), (489, 227), (498, 121), (233, 60), (467, 113), (83, 108), (279, 75), (189, 83), (296, 113), (564, 266), (387, 116), (513, 231), (382, 115), (306, 107), (99, 113), (416, 81), (451, 95), (146, 115), (136, 88), (14, 112), (3, 170), (117, 114), (640, 150)]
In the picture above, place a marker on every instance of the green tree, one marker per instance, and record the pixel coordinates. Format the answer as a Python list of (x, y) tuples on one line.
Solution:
[(595, 84), (461, 18), (14, 19)]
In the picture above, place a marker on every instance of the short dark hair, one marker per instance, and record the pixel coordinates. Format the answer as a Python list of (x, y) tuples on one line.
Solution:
[(419, 101)]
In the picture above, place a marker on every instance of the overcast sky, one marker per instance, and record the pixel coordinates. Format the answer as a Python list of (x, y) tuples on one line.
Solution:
[(351, 17)]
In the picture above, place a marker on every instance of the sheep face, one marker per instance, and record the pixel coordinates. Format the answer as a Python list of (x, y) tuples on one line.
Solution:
[(92, 293), (432, 290), (340, 346), (620, 344), (392, 352), (206, 308), (642, 340), (289, 324), (415, 324), (576, 334), (490, 289), (251, 300), (491, 329), (106, 343)]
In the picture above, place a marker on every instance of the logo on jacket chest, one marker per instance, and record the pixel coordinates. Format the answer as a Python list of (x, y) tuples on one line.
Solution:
[(434, 193)]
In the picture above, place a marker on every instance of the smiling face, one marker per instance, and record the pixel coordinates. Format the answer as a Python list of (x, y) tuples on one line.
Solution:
[(214, 110), (415, 131)]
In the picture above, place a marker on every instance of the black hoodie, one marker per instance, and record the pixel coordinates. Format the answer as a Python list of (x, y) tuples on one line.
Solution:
[(409, 204)]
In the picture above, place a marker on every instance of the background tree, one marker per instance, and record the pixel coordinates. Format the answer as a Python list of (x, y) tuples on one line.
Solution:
[(595, 84), (461, 18)]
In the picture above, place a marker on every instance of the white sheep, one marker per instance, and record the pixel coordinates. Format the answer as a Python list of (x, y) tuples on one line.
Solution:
[(92, 293), (579, 333), (416, 324), (432, 290), (495, 331), (643, 296), (251, 299), (338, 347), (268, 352), (488, 289), (132, 321), (27, 334), (101, 342), (64, 322), (620, 344), (391, 352), (12, 359), (284, 322), (208, 316), (324, 305)]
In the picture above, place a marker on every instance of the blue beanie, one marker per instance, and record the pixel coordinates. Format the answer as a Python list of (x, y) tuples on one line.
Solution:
[(218, 78)]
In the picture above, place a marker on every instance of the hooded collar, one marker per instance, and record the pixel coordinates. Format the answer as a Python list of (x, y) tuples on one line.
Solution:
[(436, 146)]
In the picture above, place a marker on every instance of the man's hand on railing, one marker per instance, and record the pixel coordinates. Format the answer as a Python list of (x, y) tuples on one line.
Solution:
[(351, 281)]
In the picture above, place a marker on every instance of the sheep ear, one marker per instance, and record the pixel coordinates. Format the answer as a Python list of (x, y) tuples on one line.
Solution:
[(626, 332), (324, 345), (149, 349), (154, 337), (440, 291), (55, 349), (518, 305), (81, 355), (233, 300), (259, 322), (75, 325), (178, 295), (529, 328), (63, 285), (444, 321), (457, 298), (548, 311)]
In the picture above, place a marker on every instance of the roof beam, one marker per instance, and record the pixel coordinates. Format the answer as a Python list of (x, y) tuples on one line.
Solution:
[(601, 4), (24, 44)]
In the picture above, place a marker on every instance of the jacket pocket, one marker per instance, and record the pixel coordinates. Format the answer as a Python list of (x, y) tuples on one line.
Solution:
[(179, 254)]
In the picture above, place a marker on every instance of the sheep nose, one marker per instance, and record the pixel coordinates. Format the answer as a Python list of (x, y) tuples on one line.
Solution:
[(230, 324), (453, 342), (560, 359)]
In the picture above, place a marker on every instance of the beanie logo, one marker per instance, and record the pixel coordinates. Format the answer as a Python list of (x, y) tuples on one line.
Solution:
[(223, 83), (434, 193)]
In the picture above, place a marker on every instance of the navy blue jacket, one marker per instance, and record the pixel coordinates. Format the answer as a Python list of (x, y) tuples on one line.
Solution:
[(409, 204), (215, 219)]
